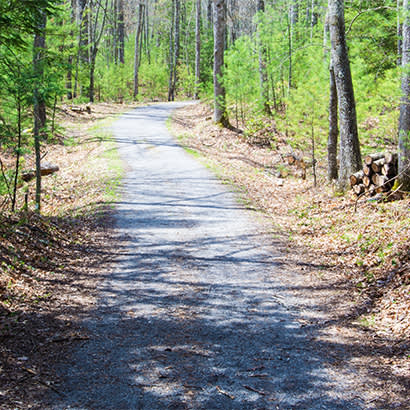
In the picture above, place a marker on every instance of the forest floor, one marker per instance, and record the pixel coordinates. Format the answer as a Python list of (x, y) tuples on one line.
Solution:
[(363, 253), (51, 264), (361, 249), (363, 244)]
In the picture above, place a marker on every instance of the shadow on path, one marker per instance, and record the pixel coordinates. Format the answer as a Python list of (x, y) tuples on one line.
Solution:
[(195, 314)]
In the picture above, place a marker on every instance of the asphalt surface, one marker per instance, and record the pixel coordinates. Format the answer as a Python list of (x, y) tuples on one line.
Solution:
[(194, 315)]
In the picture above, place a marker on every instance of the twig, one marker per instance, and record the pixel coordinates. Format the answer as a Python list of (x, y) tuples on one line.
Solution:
[(363, 12), (225, 393), (5, 180), (262, 393), (69, 339), (34, 373)]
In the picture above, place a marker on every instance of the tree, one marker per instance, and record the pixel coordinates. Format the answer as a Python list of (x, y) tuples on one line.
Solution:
[(174, 57), (97, 17), (39, 103), (137, 51), (219, 17), (349, 158), (197, 47), (19, 17), (404, 121), (332, 172), (263, 75)]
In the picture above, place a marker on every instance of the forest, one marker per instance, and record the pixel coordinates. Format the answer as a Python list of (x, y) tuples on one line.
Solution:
[(277, 60), (314, 94)]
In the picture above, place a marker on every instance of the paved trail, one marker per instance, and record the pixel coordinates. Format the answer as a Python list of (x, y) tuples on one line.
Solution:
[(195, 315)]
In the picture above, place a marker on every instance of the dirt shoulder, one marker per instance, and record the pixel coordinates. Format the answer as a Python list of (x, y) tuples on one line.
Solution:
[(351, 259), (50, 265)]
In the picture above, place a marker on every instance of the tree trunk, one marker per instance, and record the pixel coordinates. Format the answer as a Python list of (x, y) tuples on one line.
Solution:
[(95, 34), (171, 49), (350, 158), (137, 51), (399, 32), (197, 48), (83, 12), (39, 101), (293, 17), (404, 122), (69, 78), (93, 57), (209, 14), (121, 32), (175, 56), (263, 75), (147, 31), (294, 11), (176, 48), (234, 15), (313, 19), (18, 150), (333, 129), (219, 17)]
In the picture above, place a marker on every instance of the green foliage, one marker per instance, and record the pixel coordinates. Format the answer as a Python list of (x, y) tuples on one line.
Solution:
[(241, 77), (306, 106), (19, 17), (154, 78)]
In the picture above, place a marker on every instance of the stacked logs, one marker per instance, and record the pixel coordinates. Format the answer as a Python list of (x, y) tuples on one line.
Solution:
[(377, 176)]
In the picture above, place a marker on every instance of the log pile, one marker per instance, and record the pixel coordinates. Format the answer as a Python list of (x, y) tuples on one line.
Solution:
[(377, 176)]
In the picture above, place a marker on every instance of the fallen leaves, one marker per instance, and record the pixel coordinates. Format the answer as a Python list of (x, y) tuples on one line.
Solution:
[(368, 249), (49, 265)]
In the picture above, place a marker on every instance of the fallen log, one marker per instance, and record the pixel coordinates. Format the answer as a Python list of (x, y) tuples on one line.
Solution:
[(356, 178), (372, 190), (367, 170), (367, 181), (378, 165), (389, 170), (369, 159), (46, 169), (359, 189), (391, 158), (81, 109)]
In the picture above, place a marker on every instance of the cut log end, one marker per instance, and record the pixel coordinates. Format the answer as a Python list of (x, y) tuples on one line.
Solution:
[(369, 159), (377, 176)]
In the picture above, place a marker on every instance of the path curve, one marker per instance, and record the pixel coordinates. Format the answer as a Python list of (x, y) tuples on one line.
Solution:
[(194, 316)]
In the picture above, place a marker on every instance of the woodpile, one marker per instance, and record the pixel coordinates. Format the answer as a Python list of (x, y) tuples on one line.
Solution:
[(81, 109), (377, 176), (298, 162)]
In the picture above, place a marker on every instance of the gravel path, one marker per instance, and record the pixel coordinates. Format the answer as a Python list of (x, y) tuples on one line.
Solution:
[(194, 316)]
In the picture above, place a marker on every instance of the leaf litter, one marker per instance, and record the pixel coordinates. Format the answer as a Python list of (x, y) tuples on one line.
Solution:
[(354, 259), (51, 264)]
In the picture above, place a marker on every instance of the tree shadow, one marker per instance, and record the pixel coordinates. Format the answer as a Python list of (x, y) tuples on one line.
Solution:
[(207, 323)]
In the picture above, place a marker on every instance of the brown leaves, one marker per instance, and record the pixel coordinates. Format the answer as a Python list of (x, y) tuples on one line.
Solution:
[(364, 247)]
